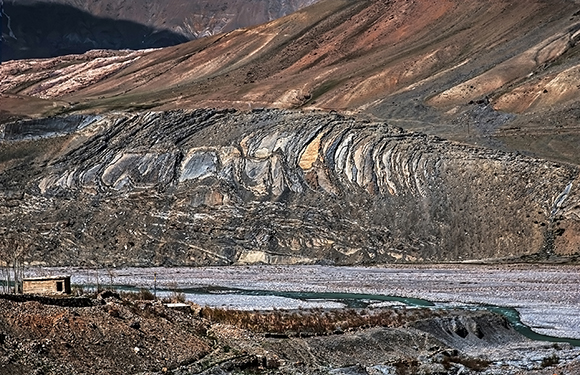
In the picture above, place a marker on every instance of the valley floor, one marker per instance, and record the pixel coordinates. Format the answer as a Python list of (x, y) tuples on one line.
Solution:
[(122, 333), (546, 296)]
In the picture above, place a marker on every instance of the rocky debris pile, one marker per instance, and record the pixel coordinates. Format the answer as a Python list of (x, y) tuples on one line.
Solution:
[(267, 186), (476, 349), (112, 337), (121, 335)]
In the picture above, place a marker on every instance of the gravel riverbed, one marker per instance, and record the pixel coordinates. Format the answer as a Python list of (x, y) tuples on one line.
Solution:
[(546, 296)]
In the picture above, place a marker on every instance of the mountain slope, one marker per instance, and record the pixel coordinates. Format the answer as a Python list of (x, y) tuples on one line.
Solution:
[(109, 182), (498, 73), (269, 186), (46, 28), (192, 19), (39, 30)]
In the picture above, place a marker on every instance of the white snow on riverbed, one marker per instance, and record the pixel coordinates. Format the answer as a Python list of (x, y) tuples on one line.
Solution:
[(547, 297), (246, 302)]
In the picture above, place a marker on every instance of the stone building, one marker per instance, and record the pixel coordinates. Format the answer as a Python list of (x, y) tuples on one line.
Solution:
[(46, 285)]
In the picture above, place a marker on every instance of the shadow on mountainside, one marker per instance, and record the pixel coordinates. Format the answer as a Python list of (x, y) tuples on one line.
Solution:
[(49, 30)]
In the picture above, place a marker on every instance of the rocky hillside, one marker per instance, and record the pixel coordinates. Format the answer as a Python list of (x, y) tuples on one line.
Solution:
[(192, 19), (47, 28), (109, 182), (270, 186), (118, 338), (127, 336), (498, 73)]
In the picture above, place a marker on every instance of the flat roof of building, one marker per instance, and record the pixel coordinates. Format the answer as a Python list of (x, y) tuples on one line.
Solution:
[(45, 278)]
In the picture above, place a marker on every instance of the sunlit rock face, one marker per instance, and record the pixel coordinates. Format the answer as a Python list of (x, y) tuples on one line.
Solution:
[(500, 74), (268, 186)]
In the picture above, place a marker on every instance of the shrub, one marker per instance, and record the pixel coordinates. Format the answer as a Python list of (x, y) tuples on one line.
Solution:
[(141, 295), (406, 367), (315, 321), (178, 296), (174, 297), (474, 364), (77, 290), (550, 361)]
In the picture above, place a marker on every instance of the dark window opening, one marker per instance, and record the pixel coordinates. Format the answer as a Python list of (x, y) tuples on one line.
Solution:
[(59, 286)]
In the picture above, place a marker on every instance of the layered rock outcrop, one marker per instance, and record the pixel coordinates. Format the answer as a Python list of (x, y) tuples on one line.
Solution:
[(503, 74), (225, 187)]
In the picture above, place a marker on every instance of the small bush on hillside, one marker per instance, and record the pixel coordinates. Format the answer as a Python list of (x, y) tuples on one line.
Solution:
[(550, 361), (175, 297), (474, 364), (141, 295)]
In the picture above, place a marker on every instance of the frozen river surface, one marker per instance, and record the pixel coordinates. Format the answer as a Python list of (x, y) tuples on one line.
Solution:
[(546, 296)]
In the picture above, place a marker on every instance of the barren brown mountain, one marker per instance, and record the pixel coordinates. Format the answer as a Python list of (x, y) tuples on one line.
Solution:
[(190, 18), (47, 28), (504, 74), (121, 184), (301, 141)]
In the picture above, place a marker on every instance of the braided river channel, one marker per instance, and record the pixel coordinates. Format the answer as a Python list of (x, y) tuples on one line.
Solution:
[(542, 302)]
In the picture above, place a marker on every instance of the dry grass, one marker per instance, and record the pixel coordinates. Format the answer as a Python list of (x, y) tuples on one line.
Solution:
[(314, 321), (141, 295), (474, 364)]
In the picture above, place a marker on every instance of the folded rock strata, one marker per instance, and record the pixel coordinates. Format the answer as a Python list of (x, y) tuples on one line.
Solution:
[(268, 186)]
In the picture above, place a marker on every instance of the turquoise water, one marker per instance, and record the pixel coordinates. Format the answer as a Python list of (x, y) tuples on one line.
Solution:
[(513, 317), (358, 300)]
